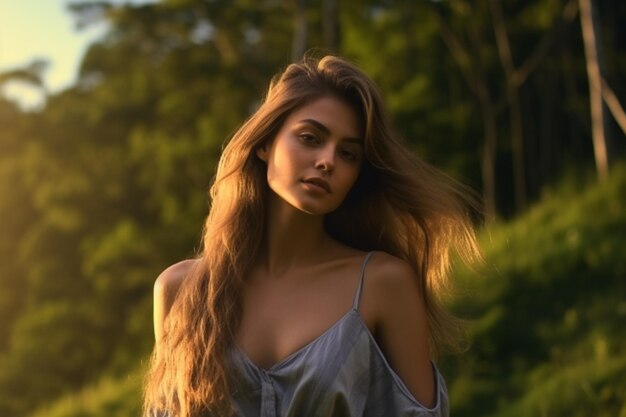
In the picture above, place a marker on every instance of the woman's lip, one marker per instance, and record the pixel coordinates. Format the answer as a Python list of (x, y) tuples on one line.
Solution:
[(318, 182)]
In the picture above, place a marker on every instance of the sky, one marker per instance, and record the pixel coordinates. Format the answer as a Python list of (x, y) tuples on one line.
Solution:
[(34, 29)]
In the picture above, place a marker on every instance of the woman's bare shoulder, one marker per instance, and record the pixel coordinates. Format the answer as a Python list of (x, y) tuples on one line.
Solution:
[(393, 286), (389, 282), (169, 281), (166, 288), (390, 271)]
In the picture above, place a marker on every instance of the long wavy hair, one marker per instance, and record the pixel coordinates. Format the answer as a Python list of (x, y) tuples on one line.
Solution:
[(399, 205)]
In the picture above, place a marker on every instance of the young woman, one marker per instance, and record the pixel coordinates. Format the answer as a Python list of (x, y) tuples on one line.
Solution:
[(325, 254)]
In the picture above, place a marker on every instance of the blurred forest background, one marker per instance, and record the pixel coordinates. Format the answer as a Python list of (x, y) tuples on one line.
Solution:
[(105, 186)]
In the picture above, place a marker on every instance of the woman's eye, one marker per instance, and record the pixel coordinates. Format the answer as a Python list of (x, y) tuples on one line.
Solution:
[(349, 155), (308, 138)]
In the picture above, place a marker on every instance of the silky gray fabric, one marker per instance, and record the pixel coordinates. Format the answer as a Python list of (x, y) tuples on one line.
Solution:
[(341, 373)]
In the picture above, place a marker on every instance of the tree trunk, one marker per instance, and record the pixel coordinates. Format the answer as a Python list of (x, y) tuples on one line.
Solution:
[(488, 162), (515, 108), (331, 25), (300, 30), (479, 87), (598, 128), (614, 105)]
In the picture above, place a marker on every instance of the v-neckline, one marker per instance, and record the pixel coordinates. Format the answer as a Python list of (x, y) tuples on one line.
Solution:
[(282, 362)]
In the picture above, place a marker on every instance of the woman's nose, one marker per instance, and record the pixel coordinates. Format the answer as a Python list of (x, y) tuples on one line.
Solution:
[(326, 159)]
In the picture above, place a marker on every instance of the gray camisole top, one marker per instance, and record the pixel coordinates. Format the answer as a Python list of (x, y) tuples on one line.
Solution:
[(341, 373)]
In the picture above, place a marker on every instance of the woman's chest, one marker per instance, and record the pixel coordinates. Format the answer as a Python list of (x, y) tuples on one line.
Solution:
[(280, 318)]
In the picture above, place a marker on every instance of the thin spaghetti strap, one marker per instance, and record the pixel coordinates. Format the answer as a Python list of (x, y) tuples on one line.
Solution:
[(357, 297)]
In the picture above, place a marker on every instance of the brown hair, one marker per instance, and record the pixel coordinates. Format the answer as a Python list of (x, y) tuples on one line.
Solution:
[(399, 205)]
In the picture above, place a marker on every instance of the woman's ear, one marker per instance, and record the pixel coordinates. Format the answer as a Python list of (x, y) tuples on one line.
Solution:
[(261, 152)]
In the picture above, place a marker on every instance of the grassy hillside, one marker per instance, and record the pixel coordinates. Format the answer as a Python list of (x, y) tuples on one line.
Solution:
[(109, 397), (549, 337), (549, 334)]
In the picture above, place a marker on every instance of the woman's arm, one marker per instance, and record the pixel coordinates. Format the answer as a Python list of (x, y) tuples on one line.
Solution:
[(402, 326), (165, 289)]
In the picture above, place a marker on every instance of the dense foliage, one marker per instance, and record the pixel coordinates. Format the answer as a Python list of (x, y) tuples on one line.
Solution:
[(106, 185), (550, 309)]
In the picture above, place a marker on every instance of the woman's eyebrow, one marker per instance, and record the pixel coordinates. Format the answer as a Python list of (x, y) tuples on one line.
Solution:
[(317, 125), (326, 130)]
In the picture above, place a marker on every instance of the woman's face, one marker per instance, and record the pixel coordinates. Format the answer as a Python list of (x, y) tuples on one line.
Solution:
[(316, 156)]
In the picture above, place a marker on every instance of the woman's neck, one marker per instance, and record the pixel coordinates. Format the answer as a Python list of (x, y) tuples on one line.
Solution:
[(293, 238)]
